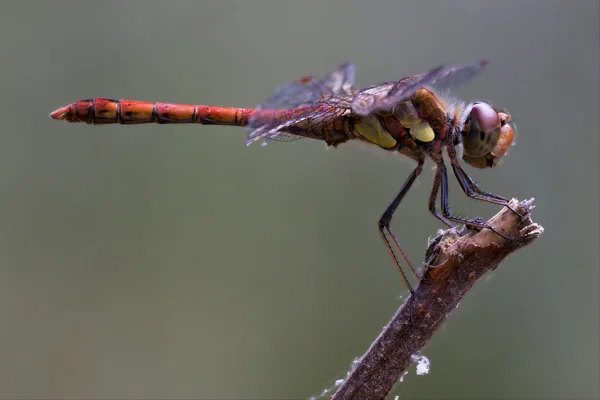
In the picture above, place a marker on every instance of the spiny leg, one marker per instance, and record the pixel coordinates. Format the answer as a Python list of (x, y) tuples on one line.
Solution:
[(472, 190), (433, 196), (478, 222), (386, 218), (461, 175)]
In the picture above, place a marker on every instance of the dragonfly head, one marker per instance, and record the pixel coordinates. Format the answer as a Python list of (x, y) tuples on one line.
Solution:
[(487, 134)]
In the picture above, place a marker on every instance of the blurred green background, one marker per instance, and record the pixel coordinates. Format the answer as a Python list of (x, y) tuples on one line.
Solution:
[(171, 261)]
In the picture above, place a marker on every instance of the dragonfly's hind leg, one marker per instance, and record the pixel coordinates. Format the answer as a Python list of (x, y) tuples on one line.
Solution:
[(384, 224)]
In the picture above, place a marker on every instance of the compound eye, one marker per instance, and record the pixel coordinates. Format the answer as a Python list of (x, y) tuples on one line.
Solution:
[(500, 131), (481, 131), (487, 117)]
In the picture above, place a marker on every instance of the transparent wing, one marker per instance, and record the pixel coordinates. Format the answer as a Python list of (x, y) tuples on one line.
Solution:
[(304, 91), (291, 124), (302, 98), (341, 80), (384, 97)]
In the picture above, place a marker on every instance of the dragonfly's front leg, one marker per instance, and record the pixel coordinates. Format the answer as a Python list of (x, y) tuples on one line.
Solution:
[(477, 222), (472, 190), (384, 224), (470, 187)]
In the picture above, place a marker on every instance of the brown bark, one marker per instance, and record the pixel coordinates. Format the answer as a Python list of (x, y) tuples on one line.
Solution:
[(456, 260)]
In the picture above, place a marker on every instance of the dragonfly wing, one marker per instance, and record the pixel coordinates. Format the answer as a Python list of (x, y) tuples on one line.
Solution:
[(275, 131), (302, 92), (308, 90), (384, 97), (453, 77), (341, 80), (309, 121), (305, 92)]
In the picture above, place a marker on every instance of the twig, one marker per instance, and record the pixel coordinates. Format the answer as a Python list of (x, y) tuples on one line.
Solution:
[(455, 261)]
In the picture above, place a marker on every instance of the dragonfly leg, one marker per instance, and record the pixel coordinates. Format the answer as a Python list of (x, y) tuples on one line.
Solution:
[(472, 190), (384, 225), (433, 196), (476, 222)]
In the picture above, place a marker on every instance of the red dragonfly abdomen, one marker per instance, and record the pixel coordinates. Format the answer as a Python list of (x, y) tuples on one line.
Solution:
[(107, 111)]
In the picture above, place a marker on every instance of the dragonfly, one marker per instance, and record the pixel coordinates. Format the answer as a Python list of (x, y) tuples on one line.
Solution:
[(413, 116)]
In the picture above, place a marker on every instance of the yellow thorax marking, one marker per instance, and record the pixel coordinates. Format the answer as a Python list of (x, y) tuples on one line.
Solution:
[(421, 131), (371, 129)]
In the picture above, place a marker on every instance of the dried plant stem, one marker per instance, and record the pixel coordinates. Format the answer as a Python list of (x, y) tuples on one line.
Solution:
[(456, 260)]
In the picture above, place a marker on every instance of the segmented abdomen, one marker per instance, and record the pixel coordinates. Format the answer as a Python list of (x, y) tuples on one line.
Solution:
[(107, 111)]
